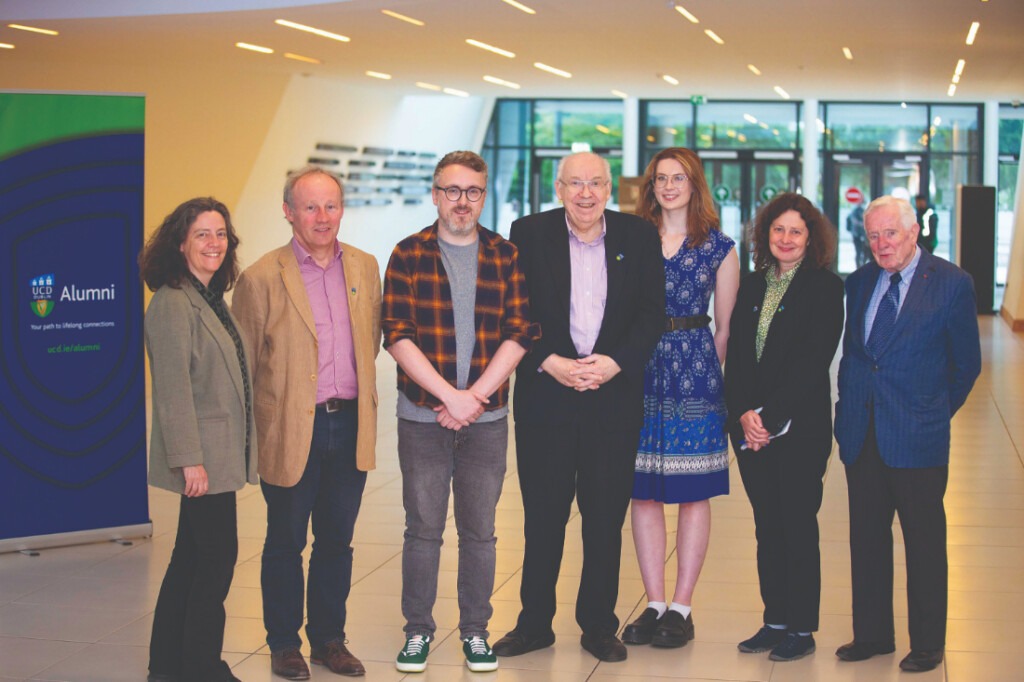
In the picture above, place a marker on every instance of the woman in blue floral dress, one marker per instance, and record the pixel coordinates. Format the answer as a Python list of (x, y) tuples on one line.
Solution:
[(683, 454)]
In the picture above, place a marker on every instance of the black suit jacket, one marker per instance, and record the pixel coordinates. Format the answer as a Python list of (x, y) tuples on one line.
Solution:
[(792, 379), (634, 319)]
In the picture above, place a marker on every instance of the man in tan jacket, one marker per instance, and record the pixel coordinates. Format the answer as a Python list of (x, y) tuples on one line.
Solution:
[(310, 312)]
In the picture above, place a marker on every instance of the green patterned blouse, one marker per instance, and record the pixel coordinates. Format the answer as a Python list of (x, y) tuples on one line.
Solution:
[(777, 287)]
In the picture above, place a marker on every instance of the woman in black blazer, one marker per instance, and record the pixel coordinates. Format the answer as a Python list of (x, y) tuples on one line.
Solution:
[(785, 328)]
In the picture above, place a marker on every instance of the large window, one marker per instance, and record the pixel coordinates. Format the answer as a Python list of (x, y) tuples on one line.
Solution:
[(1011, 125)]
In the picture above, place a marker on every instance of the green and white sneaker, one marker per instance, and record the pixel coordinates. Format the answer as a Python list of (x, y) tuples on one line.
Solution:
[(413, 656), (479, 656)]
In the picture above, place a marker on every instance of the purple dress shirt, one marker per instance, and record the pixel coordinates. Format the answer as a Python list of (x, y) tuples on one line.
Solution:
[(589, 289), (328, 297)]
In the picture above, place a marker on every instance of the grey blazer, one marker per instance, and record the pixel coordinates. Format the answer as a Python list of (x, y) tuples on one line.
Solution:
[(199, 410)]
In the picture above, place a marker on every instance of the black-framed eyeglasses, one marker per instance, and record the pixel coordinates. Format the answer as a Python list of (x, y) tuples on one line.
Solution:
[(454, 193), (662, 180)]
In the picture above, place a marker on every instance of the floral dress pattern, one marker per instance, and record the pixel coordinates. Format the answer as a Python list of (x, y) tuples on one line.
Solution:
[(683, 453)]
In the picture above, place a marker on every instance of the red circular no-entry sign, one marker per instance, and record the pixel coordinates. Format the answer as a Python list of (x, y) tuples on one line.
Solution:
[(854, 195)]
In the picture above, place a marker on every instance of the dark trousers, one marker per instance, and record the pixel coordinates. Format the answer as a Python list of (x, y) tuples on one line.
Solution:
[(783, 483), (188, 626), (594, 465), (330, 491), (877, 491)]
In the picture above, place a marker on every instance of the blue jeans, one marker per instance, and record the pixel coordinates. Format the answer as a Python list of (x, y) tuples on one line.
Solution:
[(470, 462), (330, 490)]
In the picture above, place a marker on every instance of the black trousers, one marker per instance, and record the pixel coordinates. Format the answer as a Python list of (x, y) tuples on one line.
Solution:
[(877, 491), (783, 483), (188, 626), (595, 465)]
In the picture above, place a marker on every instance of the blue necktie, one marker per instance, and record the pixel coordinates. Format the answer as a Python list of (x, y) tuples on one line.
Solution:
[(885, 316)]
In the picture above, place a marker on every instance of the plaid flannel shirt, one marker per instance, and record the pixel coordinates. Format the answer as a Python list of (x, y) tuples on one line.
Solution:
[(418, 306)]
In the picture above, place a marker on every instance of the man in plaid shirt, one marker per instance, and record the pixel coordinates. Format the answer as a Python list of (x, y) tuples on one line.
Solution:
[(457, 321)]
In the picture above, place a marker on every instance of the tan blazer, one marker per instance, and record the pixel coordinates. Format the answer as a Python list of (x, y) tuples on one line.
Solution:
[(198, 397), (273, 310)]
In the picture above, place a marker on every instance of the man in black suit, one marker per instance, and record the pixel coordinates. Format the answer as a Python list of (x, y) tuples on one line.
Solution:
[(597, 287)]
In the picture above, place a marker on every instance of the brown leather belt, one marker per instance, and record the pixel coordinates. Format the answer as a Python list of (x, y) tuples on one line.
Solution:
[(337, 404), (674, 324)]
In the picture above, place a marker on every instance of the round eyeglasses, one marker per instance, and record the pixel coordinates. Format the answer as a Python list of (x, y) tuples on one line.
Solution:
[(454, 193), (577, 185), (663, 180)]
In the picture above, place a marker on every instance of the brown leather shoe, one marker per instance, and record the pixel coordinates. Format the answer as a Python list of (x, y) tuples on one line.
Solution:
[(606, 647), (289, 664), (338, 659)]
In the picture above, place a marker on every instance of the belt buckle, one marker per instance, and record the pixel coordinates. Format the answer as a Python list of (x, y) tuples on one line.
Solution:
[(333, 405)]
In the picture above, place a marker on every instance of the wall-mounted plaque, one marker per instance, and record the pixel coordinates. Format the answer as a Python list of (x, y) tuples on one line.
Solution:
[(329, 147)]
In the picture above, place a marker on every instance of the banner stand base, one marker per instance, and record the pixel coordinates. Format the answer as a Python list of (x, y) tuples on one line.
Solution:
[(81, 537)]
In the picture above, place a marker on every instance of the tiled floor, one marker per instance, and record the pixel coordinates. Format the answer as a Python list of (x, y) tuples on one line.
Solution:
[(84, 613)]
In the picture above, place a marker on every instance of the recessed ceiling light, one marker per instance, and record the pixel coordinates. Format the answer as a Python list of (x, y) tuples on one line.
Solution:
[(315, 31), (847, 53), (300, 58), (254, 48), (749, 118), (669, 79), (782, 93), (682, 10), (972, 33), (502, 82), (33, 29), (551, 69), (456, 93), (520, 6), (903, 105), (402, 17), (714, 36), (960, 67), (754, 70), (620, 93), (490, 48), (952, 89), (428, 86), (380, 75), (956, 78), (6, 46), (763, 125)]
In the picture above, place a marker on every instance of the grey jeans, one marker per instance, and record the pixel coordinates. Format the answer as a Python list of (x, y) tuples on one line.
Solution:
[(470, 462)]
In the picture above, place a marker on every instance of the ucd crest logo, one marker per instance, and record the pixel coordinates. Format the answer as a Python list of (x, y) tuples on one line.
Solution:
[(42, 295)]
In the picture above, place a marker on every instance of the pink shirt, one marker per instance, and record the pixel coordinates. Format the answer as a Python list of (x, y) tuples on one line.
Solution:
[(589, 289), (328, 297)]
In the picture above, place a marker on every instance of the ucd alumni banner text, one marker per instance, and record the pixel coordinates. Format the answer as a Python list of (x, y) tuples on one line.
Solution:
[(72, 391)]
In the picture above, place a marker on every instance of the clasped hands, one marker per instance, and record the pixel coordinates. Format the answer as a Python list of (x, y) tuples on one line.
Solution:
[(581, 374), (754, 432), (462, 408)]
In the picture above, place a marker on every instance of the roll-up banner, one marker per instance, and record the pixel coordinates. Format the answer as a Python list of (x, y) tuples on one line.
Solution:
[(72, 374)]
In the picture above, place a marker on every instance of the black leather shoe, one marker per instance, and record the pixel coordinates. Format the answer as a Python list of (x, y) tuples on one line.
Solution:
[(921, 661), (641, 630), (517, 643), (861, 651), (289, 664), (607, 648), (673, 631)]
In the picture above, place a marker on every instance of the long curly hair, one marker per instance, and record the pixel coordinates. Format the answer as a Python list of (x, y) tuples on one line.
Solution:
[(701, 214), (161, 262), (821, 235)]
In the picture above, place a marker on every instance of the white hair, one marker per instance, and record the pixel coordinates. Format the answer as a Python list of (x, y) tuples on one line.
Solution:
[(565, 160), (908, 218)]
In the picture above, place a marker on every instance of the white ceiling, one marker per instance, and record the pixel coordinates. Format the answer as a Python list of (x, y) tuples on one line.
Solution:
[(903, 49)]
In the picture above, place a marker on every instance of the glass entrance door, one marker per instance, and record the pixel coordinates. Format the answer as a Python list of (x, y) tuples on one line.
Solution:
[(851, 182), (740, 184)]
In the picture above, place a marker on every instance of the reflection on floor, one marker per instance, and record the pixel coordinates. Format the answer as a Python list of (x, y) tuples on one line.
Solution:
[(84, 613)]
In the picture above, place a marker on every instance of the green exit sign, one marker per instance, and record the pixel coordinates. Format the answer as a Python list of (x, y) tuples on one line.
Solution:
[(697, 99)]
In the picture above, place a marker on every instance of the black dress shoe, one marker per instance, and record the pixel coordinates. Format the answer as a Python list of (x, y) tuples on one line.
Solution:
[(641, 630), (517, 643), (861, 651), (921, 661), (607, 648), (673, 631)]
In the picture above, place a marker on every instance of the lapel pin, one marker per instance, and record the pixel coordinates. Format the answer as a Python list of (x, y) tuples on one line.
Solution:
[(353, 290), (619, 257)]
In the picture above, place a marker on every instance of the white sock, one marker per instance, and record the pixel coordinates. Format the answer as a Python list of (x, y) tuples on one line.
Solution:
[(775, 627), (681, 608), (659, 606)]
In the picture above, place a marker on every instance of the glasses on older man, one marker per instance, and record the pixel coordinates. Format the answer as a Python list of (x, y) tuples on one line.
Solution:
[(577, 185), (663, 180), (454, 193)]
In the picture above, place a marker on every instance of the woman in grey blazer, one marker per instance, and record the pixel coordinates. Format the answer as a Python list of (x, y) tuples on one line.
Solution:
[(203, 443)]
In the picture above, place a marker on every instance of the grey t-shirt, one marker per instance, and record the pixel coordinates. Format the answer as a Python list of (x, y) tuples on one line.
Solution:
[(460, 264)]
